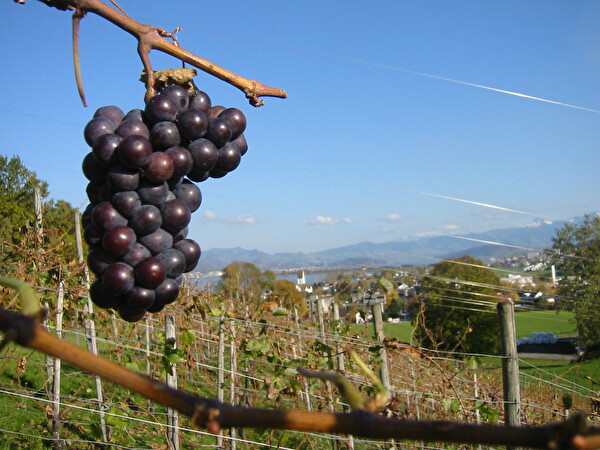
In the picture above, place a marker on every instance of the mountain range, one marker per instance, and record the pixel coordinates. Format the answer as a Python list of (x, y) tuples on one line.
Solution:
[(499, 243)]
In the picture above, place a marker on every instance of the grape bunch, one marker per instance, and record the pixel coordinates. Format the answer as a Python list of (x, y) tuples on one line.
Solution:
[(142, 170)]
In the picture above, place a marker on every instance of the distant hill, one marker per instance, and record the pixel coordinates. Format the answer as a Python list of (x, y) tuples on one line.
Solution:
[(484, 246)]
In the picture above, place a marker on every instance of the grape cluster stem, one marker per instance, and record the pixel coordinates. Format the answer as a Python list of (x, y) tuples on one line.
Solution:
[(153, 38)]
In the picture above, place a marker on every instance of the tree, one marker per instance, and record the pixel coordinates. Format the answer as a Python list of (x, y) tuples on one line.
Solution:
[(241, 280), (576, 255), (286, 294), (268, 279), (457, 307), (17, 212), (17, 185)]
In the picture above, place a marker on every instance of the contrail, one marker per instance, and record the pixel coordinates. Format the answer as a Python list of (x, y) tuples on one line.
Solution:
[(480, 86), (472, 202)]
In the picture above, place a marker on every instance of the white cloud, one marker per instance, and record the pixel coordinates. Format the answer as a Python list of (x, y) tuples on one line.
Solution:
[(450, 227), (322, 221), (393, 218), (241, 219)]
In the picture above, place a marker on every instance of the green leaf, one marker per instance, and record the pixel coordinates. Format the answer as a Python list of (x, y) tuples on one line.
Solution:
[(174, 358), (112, 420), (216, 312), (280, 311), (386, 284), (132, 365), (187, 337), (472, 363)]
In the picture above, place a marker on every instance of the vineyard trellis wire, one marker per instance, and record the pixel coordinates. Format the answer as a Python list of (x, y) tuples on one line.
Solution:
[(260, 370)]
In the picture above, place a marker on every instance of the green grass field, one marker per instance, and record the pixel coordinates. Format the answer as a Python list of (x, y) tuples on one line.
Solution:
[(558, 322)]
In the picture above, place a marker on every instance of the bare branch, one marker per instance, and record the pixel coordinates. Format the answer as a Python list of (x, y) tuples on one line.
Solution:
[(152, 38), (77, 16)]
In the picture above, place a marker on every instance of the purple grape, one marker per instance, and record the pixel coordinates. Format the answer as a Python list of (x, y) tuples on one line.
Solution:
[(190, 194), (145, 220), (98, 260), (126, 202), (86, 215), (192, 124), (218, 173), (178, 95), (174, 181), (140, 298), (153, 193), (167, 292), (91, 235), (236, 121), (150, 273), (204, 153), (104, 149), (229, 158), (174, 262), (136, 254), (199, 175), (134, 151), (112, 113), (200, 100), (122, 179), (176, 215), (182, 160), (214, 111), (164, 135), (97, 127), (93, 192), (134, 114), (160, 108), (157, 241), (181, 234), (133, 127), (170, 196), (191, 251), (159, 168), (219, 131), (118, 278), (129, 313), (105, 193), (104, 216), (156, 307), (240, 142), (101, 297), (92, 170), (118, 240)]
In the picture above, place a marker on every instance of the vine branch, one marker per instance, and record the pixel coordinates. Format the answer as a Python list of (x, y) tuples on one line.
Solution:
[(153, 38)]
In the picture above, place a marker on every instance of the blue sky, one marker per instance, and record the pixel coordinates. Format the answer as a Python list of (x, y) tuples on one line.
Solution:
[(389, 131)]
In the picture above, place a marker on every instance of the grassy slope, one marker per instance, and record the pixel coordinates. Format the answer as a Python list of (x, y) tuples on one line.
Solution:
[(527, 322)]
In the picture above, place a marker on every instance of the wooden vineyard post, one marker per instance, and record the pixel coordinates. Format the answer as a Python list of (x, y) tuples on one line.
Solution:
[(56, 371), (172, 414), (341, 363), (377, 309), (221, 372), (147, 346), (90, 326), (510, 363), (330, 396), (232, 389)]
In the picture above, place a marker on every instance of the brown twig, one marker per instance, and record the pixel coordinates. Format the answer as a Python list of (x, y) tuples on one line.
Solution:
[(150, 38), (77, 16), (215, 415)]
